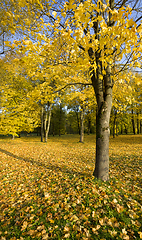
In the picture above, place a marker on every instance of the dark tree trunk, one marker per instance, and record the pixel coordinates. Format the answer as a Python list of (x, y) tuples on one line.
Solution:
[(141, 126), (82, 125), (138, 129), (114, 123), (102, 84), (126, 131), (70, 128), (42, 123), (60, 118), (133, 122), (121, 128), (104, 104)]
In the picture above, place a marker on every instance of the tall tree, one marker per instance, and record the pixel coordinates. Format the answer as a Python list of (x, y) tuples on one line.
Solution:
[(95, 36)]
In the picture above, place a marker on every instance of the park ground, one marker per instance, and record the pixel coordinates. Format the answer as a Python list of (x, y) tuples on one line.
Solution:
[(47, 190)]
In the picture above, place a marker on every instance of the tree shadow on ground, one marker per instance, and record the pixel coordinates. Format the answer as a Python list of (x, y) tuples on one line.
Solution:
[(52, 167)]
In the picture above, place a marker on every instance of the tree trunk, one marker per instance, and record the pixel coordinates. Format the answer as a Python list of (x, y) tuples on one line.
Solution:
[(141, 126), (48, 125), (126, 131), (42, 123), (104, 104), (102, 84), (60, 117), (133, 122), (138, 129), (114, 123), (121, 129), (102, 142), (45, 122), (53, 128), (82, 125)]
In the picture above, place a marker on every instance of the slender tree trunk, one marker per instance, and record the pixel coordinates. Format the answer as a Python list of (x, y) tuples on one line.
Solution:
[(82, 125), (45, 122), (141, 126), (138, 129), (116, 128), (133, 122), (60, 117), (126, 131), (42, 123), (48, 125), (114, 124), (121, 128)]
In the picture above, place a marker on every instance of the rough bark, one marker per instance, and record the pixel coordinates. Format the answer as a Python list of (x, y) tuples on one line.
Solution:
[(103, 93), (102, 143)]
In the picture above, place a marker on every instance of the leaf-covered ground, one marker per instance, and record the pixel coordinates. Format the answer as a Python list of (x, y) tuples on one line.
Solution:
[(47, 190)]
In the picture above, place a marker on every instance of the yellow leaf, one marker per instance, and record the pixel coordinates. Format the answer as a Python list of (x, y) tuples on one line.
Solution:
[(54, 14), (31, 232), (95, 229), (101, 221), (45, 236), (66, 229), (74, 218), (67, 235), (24, 226), (140, 233)]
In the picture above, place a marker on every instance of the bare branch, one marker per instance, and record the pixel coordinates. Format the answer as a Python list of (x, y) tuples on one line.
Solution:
[(73, 84)]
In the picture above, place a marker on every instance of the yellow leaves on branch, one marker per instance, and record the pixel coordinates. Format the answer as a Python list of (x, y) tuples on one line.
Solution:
[(63, 46)]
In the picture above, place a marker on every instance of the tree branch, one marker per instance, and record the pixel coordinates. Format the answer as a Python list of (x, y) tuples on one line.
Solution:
[(73, 84)]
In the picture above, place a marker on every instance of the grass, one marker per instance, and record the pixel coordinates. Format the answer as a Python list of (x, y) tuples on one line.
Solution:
[(47, 190)]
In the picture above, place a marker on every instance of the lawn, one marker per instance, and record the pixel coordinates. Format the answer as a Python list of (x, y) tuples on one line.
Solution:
[(47, 190)]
